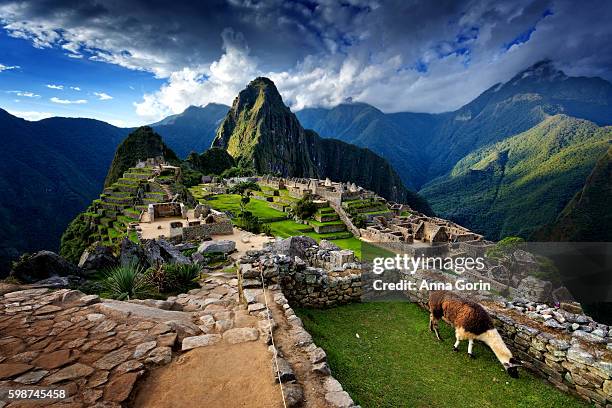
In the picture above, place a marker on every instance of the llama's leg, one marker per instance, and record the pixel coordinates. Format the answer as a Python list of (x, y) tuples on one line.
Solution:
[(470, 345), (456, 345), (433, 325)]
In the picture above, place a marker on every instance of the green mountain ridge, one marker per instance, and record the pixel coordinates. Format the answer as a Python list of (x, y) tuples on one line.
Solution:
[(364, 125), (519, 185), (260, 131), (586, 217), (51, 170)]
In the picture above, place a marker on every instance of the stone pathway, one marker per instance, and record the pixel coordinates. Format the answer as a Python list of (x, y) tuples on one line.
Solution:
[(103, 352), (96, 350), (63, 339)]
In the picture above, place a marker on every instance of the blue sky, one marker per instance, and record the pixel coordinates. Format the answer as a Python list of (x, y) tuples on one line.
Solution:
[(135, 62), (26, 89)]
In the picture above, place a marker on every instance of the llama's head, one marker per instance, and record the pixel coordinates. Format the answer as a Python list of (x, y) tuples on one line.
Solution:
[(512, 367)]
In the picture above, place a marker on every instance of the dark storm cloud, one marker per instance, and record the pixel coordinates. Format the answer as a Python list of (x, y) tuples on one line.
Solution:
[(398, 55)]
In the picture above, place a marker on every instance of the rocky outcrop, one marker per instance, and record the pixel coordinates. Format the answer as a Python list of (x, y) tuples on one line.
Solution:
[(161, 251), (293, 246), (224, 246), (42, 265), (97, 257)]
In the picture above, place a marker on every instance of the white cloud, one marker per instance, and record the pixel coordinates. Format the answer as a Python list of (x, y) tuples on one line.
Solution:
[(8, 67), (75, 88), (68, 102), (30, 115), (25, 94), (103, 96), (321, 55), (52, 86), (218, 82)]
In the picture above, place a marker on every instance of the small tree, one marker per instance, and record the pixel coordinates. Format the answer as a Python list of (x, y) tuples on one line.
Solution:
[(304, 208), (243, 186), (506, 247)]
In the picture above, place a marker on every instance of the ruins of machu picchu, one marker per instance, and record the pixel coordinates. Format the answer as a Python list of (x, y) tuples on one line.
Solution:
[(260, 255)]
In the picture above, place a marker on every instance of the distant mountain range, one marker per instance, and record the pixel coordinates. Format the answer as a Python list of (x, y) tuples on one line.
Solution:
[(53, 168), (433, 152), (193, 130), (425, 146)]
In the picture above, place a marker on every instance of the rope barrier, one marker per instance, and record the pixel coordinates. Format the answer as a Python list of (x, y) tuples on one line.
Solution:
[(280, 383)]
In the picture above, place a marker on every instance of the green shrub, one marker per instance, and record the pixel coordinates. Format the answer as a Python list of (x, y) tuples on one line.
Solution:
[(183, 275), (304, 208), (251, 223), (127, 282), (359, 221), (506, 247), (189, 177), (266, 229), (90, 287)]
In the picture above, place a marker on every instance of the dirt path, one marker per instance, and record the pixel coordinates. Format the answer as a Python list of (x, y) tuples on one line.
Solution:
[(220, 376)]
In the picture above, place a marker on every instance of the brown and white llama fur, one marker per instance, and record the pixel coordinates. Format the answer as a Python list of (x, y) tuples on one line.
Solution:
[(471, 322)]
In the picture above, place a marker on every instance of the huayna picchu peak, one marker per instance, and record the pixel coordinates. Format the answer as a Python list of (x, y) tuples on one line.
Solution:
[(261, 132)]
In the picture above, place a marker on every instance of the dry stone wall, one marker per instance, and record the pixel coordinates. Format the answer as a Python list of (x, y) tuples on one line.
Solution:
[(320, 278)]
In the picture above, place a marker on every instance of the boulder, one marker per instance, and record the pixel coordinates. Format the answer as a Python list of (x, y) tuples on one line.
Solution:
[(535, 290), (97, 257), (131, 253), (161, 251), (59, 282), (562, 295), (223, 245), (42, 265), (328, 245), (293, 246)]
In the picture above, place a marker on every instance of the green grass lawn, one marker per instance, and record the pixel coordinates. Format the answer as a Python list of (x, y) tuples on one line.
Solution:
[(231, 202), (289, 228), (286, 228), (396, 362)]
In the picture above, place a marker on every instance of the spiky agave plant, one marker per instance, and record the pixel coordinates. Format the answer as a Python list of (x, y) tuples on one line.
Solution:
[(182, 275), (127, 282)]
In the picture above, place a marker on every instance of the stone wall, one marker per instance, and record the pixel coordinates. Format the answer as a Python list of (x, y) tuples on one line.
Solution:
[(194, 232), (319, 278), (345, 218)]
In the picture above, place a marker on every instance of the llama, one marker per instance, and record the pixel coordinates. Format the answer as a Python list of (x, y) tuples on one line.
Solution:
[(471, 322)]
